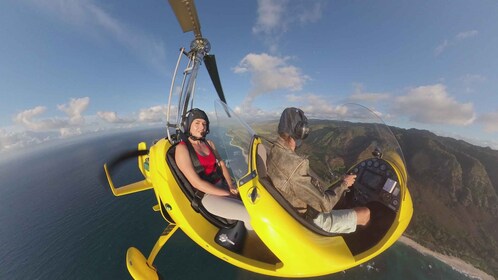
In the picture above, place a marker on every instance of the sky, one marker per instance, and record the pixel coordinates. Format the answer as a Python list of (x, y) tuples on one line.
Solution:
[(73, 67)]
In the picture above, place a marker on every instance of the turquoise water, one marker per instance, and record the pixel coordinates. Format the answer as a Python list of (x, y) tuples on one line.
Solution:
[(59, 220)]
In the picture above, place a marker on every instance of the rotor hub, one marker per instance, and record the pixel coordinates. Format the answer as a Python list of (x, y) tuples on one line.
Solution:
[(200, 45)]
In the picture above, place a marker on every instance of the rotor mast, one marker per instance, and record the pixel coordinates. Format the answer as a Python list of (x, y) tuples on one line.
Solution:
[(186, 13)]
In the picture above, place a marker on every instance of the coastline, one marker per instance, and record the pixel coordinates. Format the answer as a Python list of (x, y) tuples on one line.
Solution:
[(456, 263)]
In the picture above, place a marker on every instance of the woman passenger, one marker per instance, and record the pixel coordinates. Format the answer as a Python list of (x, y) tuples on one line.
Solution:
[(214, 178)]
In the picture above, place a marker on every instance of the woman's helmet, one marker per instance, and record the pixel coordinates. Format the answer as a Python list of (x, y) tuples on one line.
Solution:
[(294, 122), (190, 116)]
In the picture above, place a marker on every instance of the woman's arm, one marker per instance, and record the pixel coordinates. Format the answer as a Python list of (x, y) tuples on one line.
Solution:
[(224, 169), (184, 163)]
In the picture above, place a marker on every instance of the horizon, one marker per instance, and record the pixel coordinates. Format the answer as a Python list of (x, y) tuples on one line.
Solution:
[(72, 68)]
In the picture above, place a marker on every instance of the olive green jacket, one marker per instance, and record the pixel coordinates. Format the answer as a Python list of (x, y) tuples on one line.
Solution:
[(290, 173)]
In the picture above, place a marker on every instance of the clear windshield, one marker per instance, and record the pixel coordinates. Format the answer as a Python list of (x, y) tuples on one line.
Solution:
[(347, 138), (335, 143), (234, 140)]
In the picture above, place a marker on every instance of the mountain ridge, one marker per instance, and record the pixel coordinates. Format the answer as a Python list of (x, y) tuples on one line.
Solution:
[(458, 181)]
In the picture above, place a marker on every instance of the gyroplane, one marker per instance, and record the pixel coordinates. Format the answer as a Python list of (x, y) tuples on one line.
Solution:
[(282, 243)]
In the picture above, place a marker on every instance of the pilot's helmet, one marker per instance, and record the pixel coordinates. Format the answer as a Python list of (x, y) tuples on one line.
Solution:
[(294, 122)]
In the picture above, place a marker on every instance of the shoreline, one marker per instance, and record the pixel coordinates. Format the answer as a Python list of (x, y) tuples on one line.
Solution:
[(456, 263)]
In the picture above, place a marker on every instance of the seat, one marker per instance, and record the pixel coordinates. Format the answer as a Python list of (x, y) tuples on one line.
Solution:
[(193, 195)]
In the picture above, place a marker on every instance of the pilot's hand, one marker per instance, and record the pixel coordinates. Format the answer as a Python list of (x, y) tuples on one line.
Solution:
[(349, 180)]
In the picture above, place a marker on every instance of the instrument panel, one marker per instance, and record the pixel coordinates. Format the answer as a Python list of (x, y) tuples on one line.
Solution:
[(376, 180)]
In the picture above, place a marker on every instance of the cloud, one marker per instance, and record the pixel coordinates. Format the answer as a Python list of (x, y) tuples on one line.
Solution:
[(66, 132), (276, 17), (271, 17), (153, 114), (15, 140), (74, 109), (268, 74), (40, 129), (433, 105), (35, 129), (8, 140), (112, 117), (472, 80), (458, 38), (28, 119), (361, 96), (313, 105), (489, 121), (441, 47), (317, 105), (88, 16), (466, 34)]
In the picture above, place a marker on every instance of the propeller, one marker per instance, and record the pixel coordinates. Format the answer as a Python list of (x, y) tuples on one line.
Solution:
[(126, 156), (120, 159), (186, 13)]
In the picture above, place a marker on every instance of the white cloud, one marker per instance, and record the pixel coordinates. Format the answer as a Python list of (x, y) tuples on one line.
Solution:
[(441, 47), (433, 105), (470, 81), (490, 121), (310, 12), (473, 78), (268, 74), (153, 114), (28, 119), (40, 129), (466, 34), (15, 140), (361, 96), (74, 109), (34, 129), (88, 16), (112, 117), (271, 17), (313, 106), (317, 105), (458, 38), (275, 17), (66, 132)]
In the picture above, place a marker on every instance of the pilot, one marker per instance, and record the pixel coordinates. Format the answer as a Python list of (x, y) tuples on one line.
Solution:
[(291, 175), (201, 164)]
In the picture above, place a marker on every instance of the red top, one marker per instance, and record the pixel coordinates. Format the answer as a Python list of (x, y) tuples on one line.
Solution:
[(208, 162)]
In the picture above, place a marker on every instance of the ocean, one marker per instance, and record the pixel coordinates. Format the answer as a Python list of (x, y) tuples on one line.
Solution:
[(59, 220)]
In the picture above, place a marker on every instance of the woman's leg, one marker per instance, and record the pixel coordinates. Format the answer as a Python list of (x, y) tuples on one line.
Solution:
[(226, 207)]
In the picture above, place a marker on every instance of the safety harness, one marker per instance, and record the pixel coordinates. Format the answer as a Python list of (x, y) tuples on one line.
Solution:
[(199, 169)]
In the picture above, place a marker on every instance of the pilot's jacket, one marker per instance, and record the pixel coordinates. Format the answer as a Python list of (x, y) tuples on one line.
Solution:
[(290, 173)]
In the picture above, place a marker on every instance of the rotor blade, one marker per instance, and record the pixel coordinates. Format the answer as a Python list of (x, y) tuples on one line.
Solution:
[(212, 69), (186, 13)]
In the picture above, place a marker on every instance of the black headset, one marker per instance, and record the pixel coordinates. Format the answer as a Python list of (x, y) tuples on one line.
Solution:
[(294, 122), (302, 129)]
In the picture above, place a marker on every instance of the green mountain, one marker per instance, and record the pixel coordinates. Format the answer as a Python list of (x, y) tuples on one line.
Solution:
[(454, 187)]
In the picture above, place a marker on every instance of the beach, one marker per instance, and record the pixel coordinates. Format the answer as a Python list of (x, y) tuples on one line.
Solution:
[(456, 263)]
